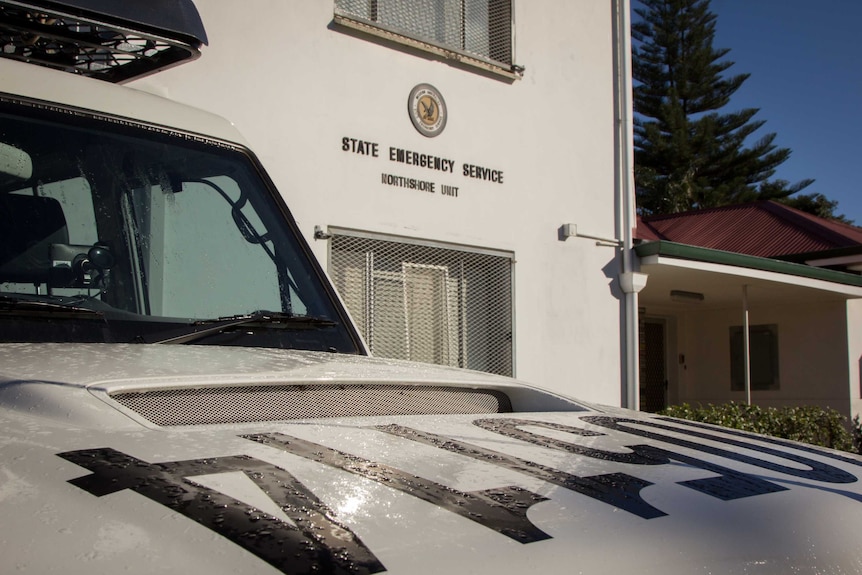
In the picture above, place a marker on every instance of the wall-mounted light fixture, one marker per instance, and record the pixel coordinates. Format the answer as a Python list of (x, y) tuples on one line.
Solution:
[(571, 231), (685, 296), (320, 234)]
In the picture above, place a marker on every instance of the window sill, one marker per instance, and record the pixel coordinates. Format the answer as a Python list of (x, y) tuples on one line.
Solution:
[(513, 72)]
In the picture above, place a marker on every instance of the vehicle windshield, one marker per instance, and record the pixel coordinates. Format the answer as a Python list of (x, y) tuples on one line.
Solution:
[(154, 231)]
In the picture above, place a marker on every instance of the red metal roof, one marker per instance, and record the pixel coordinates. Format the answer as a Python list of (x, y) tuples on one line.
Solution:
[(764, 229)]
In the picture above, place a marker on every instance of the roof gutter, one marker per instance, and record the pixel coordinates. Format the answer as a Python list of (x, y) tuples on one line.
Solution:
[(849, 257), (699, 254)]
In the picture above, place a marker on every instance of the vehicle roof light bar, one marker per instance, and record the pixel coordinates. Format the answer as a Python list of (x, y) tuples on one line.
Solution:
[(105, 39)]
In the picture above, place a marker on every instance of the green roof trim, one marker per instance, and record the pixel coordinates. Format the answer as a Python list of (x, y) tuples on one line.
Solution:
[(823, 254), (695, 253)]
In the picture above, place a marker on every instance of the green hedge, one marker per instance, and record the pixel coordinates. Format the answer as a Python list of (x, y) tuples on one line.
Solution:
[(810, 424)]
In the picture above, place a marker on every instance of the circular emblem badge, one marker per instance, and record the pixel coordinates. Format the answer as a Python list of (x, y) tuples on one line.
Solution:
[(427, 110)]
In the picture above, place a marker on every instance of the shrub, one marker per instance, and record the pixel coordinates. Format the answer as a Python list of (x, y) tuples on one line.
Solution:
[(810, 424), (856, 432)]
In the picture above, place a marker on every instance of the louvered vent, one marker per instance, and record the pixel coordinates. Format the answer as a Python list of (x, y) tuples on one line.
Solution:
[(243, 404)]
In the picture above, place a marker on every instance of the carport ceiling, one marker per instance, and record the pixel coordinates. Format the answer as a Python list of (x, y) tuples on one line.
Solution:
[(722, 286)]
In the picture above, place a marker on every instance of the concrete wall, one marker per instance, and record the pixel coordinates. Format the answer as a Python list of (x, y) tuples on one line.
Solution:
[(854, 345), (812, 355), (296, 85)]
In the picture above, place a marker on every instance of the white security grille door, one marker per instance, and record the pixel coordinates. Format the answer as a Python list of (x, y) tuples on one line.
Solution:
[(481, 28), (427, 303)]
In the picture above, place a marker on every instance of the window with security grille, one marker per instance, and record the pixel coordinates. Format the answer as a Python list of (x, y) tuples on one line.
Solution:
[(480, 29), (427, 303)]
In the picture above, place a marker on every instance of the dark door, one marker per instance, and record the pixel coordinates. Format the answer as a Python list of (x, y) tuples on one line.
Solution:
[(653, 371)]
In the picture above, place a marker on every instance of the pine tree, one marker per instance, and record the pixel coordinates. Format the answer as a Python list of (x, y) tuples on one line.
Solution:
[(818, 205), (687, 154)]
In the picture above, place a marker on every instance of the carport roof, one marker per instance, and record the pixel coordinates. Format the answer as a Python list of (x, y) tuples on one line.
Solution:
[(719, 276), (766, 229), (694, 253)]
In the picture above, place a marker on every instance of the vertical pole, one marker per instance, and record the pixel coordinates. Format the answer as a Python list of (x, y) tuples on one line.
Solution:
[(746, 345), (369, 299), (625, 189)]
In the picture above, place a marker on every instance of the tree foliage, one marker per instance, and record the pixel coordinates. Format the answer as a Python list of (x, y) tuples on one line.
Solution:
[(688, 155), (817, 204)]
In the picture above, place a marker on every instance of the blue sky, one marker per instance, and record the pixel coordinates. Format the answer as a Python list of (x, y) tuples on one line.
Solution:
[(806, 78)]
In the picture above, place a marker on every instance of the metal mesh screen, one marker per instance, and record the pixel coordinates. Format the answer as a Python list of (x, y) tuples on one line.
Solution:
[(243, 404), (480, 28), (426, 303)]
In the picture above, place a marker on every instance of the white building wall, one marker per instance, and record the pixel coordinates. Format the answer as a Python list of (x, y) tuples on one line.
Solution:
[(854, 345), (812, 356), (295, 85)]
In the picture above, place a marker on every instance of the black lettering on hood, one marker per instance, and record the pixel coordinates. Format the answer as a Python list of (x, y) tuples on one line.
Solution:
[(818, 471), (503, 510), (319, 544), (617, 489), (768, 439), (730, 484)]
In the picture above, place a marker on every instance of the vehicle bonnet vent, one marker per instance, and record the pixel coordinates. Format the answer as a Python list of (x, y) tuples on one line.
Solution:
[(243, 404), (107, 39)]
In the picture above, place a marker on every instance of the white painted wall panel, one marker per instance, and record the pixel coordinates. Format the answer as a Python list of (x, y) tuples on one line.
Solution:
[(295, 85)]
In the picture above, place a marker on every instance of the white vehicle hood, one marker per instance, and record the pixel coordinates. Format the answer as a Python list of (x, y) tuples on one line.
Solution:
[(90, 485)]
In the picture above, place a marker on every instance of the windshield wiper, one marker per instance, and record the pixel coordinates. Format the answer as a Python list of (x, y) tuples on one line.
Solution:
[(10, 305), (267, 319)]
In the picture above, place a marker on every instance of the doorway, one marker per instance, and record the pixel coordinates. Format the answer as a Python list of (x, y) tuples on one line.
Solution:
[(653, 365)]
